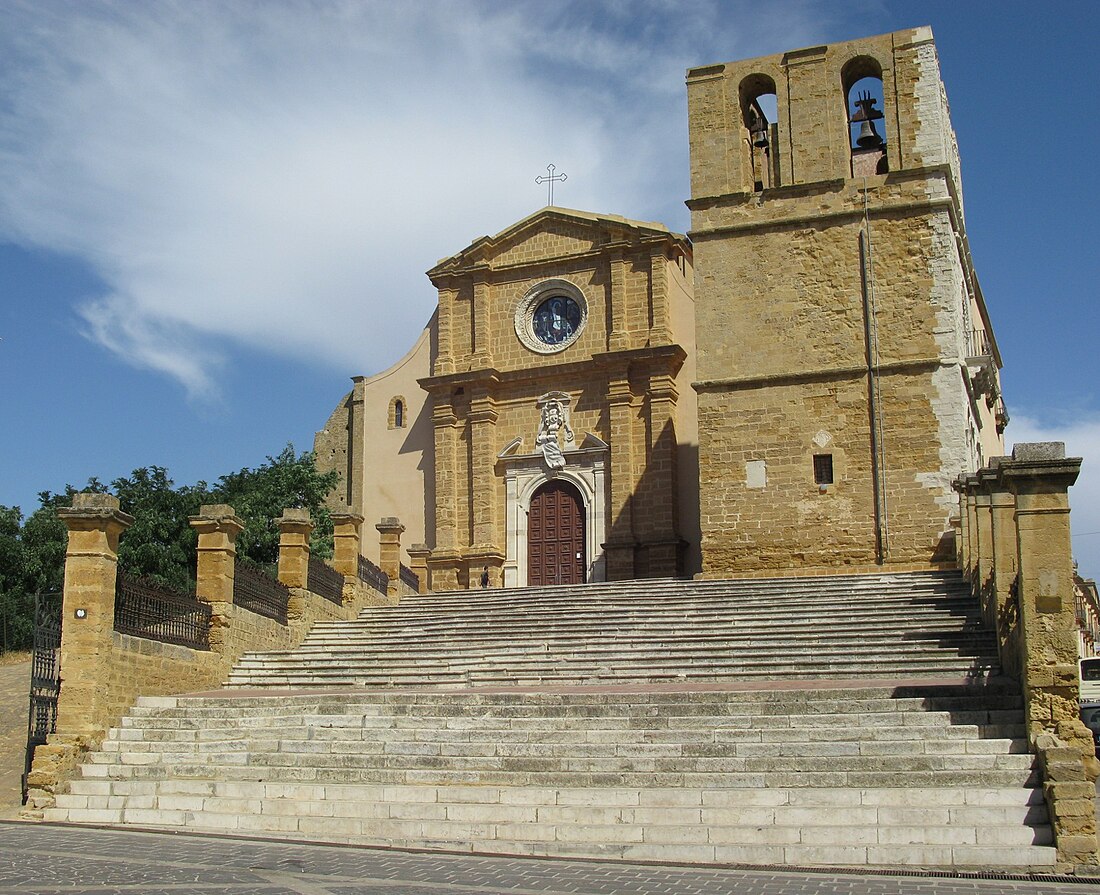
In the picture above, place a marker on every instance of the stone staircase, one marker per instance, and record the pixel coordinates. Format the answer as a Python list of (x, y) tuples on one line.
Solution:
[(915, 625), (630, 721)]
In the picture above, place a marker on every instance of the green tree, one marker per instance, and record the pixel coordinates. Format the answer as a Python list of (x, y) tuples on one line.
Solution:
[(260, 495), (160, 544)]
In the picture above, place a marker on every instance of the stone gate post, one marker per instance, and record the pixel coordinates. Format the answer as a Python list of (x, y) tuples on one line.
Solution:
[(295, 527), (217, 526), (95, 524), (389, 552), (1039, 476), (346, 543)]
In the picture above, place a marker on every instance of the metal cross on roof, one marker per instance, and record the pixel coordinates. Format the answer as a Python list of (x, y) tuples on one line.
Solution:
[(549, 178)]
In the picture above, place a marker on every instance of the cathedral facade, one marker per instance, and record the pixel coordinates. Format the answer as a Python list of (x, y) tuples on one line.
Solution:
[(794, 385)]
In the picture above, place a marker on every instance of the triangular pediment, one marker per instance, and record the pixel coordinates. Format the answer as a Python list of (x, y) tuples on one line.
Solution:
[(549, 234)]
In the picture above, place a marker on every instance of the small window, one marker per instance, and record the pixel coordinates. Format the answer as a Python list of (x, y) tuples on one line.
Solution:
[(823, 469), (397, 412)]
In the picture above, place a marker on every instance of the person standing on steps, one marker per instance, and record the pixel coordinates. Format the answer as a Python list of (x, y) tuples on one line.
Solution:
[(485, 577)]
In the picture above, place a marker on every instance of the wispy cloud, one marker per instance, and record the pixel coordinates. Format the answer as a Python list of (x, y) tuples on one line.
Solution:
[(279, 175)]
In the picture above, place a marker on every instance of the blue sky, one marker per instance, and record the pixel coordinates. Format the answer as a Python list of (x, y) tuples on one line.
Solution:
[(213, 214)]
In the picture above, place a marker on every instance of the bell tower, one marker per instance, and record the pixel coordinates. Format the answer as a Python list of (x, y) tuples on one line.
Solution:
[(846, 365)]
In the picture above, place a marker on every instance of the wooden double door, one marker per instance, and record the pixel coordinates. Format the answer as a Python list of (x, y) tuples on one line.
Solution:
[(556, 536)]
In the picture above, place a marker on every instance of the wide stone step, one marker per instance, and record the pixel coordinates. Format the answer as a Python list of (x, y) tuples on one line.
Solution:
[(590, 673), (967, 827)]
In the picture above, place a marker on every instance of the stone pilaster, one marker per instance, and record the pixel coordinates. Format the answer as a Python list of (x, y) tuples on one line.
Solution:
[(390, 530), (94, 523), (664, 544), (483, 488), (618, 339), (346, 543), (418, 562), (622, 541), (660, 331), (445, 361), (295, 527), (482, 320), (445, 558)]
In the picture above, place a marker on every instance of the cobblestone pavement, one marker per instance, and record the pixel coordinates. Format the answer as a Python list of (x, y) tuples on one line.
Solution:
[(15, 683), (46, 859)]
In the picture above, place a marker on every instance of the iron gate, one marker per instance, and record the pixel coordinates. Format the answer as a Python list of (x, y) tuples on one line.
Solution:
[(45, 676)]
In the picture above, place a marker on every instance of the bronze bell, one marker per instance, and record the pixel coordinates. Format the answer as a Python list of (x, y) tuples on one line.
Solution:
[(868, 137)]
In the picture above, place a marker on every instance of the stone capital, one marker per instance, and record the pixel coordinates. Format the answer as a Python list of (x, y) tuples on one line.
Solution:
[(218, 517), (390, 524)]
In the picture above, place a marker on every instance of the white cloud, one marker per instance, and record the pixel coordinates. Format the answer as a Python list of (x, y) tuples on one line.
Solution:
[(281, 174), (1082, 439)]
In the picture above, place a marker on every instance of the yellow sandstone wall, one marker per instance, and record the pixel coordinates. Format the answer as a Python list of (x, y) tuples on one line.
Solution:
[(834, 315)]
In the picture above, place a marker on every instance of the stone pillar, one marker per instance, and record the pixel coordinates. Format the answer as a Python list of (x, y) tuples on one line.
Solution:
[(346, 543), (389, 552), (1002, 507), (622, 541), (217, 526), (95, 524), (1039, 476), (983, 519), (418, 562), (972, 527), (962, 551), (295, 527)]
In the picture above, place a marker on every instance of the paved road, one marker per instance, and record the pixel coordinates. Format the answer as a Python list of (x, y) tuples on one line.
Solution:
[(46, 859)]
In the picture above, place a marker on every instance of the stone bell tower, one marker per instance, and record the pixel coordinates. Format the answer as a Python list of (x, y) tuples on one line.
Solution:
[(846, 365)]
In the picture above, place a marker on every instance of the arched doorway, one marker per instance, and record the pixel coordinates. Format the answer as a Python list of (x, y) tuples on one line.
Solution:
[(555, 536)]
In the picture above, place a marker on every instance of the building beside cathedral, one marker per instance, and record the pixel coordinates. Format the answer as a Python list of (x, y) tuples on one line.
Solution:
[(793, 385)]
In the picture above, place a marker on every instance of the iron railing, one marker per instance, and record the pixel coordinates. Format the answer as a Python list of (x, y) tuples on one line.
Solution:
[(409, 578), (258, 592), (325, 581), (45, 677), (373, 576), (146, 609)]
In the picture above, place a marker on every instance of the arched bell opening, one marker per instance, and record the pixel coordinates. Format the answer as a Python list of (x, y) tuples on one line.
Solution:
[(760, 120), (865, 102)]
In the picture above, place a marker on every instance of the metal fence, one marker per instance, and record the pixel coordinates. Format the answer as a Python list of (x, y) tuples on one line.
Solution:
[(325, 581), (45, 676), (409, 578), (146, 609), (258, 592), (373, 576)]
